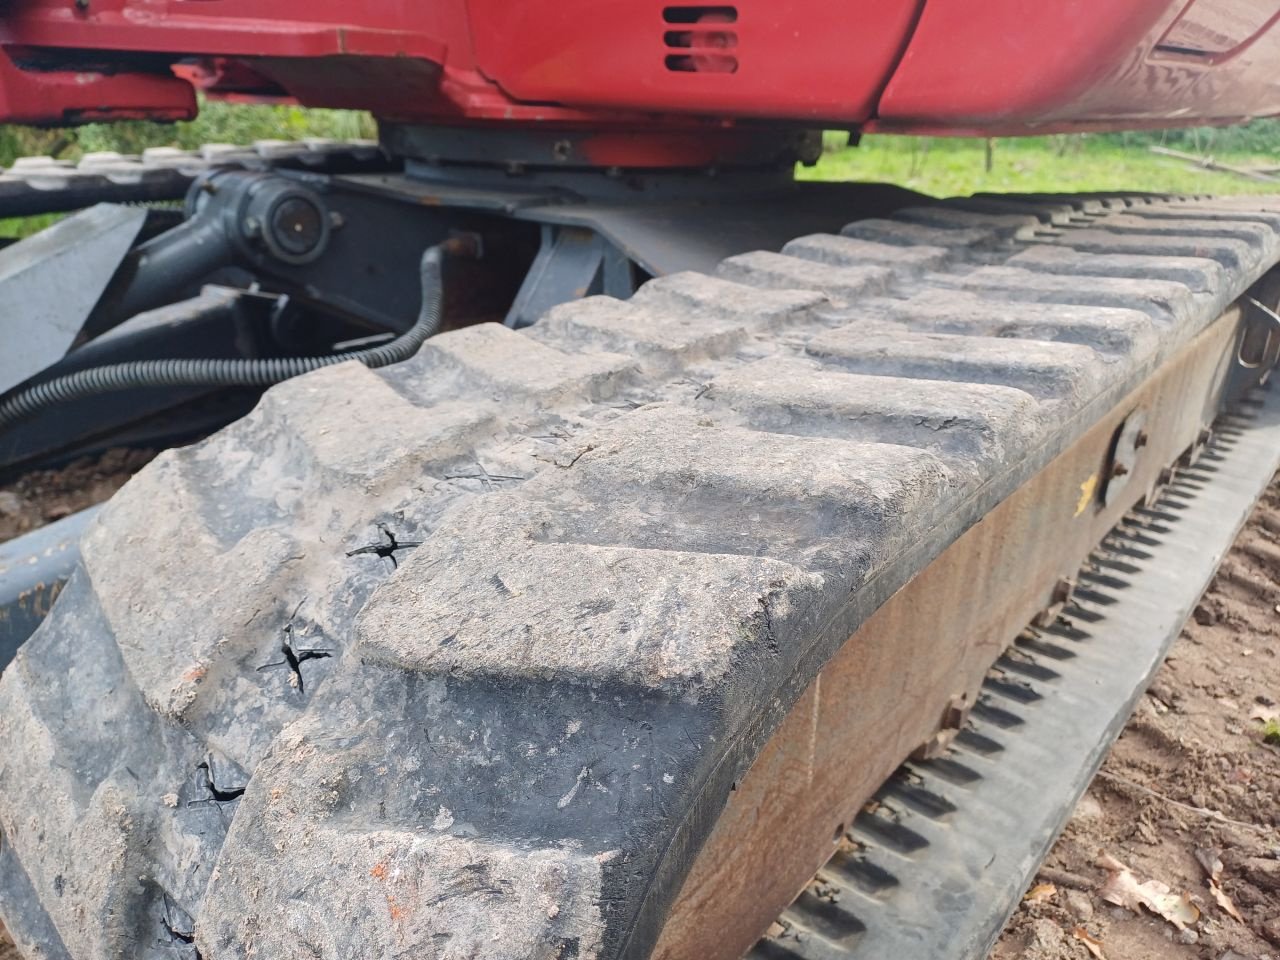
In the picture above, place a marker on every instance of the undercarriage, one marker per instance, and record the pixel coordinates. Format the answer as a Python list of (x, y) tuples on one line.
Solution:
[(732, 556)]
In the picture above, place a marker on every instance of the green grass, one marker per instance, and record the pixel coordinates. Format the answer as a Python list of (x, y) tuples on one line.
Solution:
[(934, 165), (1271, 732), (949, 167), (216, 123)]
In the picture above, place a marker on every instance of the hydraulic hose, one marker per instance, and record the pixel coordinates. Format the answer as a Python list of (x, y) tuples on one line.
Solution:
[(229, 372)]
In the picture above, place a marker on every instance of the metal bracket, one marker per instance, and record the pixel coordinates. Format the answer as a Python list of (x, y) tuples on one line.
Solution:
[(43, 313), (1131, 437), (572, 262)]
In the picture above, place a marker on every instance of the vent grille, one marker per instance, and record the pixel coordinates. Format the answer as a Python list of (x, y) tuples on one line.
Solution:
[(701, 39)]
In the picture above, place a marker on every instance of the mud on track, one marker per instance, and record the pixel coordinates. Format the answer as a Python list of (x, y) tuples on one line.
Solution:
[(1191, 741)]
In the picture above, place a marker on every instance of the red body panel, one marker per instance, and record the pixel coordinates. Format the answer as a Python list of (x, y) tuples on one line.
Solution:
[(1072, 65), (798, 60), (950, 66)]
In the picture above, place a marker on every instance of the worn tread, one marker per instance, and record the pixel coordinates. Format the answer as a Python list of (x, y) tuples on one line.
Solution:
[(643, 526)]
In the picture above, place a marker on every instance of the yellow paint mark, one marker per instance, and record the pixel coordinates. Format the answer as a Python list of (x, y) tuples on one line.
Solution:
[(1086, 493)]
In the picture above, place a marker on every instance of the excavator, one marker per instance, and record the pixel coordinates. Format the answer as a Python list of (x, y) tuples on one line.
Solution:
[(573, 537)]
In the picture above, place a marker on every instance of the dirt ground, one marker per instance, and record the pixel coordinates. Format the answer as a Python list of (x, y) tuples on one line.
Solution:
[(43, 496), (1190, 784), (1190, 790)]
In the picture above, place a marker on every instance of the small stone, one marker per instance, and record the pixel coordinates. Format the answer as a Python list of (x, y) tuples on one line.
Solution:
[(169, 800), (1271, 930), (10, 503), (1188, 936), (1079, 905), (1088, 808)]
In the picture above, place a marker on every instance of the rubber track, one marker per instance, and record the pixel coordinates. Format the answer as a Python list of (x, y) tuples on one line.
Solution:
[(262, 720), (935, 864), (35, 185)]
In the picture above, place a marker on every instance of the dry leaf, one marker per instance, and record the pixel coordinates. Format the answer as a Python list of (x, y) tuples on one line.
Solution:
[(1040, 893), (1123, 889), (1212, 864), (1223, 901), (1211, 861), (1093, 945)]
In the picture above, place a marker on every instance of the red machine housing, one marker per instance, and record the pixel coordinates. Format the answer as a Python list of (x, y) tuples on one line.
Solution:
[(943, 66)]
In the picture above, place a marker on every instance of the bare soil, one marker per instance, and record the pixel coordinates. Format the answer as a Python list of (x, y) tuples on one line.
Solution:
[(1191, 779), (43, 496)]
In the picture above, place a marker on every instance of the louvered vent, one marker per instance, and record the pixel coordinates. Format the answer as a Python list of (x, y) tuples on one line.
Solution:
[(701, 39)]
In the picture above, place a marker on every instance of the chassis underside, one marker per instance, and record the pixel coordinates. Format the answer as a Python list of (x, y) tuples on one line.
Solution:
[(596, 627)]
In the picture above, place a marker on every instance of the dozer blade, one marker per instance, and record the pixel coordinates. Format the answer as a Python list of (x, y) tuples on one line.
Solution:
[(592, 640)]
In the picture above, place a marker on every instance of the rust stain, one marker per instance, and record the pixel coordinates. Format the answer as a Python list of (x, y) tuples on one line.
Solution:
[(195, 674), (379, 872)]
